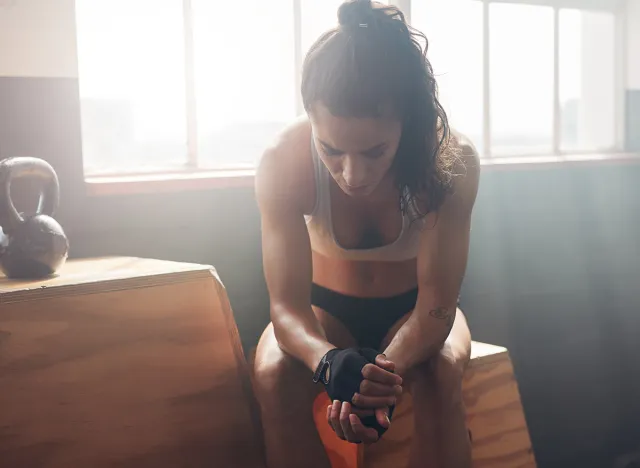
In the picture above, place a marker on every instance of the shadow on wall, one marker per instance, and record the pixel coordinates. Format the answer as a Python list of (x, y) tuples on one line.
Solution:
[(219, 228), (553, 275)]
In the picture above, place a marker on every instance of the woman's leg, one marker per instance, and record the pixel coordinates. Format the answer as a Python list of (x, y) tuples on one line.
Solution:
[(441, 433), (441, 438), (286, 393), (424, 446)]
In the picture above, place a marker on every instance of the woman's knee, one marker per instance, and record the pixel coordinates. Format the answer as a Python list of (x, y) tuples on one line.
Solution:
[(439, 379), (277, 376)]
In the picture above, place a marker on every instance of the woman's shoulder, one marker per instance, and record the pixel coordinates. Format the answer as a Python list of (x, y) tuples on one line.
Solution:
[(467, 158), (459, 176), (466, 170), (286, 170)]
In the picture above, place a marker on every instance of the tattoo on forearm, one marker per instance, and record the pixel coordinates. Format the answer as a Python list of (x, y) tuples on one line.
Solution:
[(442, 313)]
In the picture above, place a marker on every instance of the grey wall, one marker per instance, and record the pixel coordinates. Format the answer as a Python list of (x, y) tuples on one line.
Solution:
[(553, 275)]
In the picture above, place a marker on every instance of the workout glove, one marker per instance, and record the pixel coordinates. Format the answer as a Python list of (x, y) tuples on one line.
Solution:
[(340, 370)]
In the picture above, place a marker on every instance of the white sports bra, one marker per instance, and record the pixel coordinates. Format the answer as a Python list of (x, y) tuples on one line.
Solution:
[(323, 240)]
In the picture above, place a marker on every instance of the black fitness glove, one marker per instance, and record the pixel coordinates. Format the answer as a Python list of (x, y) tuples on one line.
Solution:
[(372, 421), (340, 370)]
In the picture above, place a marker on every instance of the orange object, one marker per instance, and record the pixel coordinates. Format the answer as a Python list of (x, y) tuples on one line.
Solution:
[(341, 454)]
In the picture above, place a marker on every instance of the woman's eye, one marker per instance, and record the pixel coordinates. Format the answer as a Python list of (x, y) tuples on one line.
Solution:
[(375, 154), (332, 152)]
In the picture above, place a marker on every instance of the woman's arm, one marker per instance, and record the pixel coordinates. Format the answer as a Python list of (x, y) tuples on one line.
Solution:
[(442, 263), (287, 260)]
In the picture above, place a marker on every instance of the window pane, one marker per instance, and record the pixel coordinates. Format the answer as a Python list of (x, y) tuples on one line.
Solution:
[(245, 81), (454, 31), (587, 80), (521, 67), (132, 87)]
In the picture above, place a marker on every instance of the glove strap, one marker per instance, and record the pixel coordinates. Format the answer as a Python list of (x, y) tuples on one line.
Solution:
[(323, 368)]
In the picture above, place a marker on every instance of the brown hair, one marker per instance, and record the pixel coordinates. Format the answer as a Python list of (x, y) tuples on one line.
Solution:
[(372, 61)]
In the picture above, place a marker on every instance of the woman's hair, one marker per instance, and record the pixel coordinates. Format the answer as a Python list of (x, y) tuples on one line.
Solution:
[(373, 64)]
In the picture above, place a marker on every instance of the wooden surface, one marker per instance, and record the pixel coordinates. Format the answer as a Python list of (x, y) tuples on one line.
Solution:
[(86, 276), (494, 414), (123, 362)]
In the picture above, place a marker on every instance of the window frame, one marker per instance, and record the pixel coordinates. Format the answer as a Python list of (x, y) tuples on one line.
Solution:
[(193, 177), (617, 9)]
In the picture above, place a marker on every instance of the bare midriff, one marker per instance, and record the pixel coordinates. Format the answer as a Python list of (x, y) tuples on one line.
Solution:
[(364, 278)]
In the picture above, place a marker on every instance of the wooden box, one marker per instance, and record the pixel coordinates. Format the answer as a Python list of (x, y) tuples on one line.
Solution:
[(123, 362)]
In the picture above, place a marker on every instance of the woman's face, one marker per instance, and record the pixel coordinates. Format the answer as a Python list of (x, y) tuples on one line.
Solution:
[(357, 151)]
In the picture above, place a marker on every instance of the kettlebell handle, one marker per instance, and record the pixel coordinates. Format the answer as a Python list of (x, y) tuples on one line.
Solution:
[(28, 167)]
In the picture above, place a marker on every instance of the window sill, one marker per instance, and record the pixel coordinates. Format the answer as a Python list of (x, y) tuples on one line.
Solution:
[(533, 162), (100, 186), (244, 178)]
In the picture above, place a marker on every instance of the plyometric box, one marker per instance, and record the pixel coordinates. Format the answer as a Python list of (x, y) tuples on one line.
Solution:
[(123, 362)]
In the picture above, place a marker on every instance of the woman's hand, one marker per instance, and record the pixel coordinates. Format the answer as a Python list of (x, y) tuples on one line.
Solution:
[(378, 391), (379, 387), (342, 417)]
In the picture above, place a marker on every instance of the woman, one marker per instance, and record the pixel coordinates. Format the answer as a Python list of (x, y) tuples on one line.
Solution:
[(366, 205)]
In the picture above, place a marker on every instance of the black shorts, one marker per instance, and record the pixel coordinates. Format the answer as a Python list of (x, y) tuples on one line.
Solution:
[(368, 319)]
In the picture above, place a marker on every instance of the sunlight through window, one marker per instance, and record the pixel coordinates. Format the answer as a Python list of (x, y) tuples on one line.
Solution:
[(132, 85), (454, 31), (521, 67), (587, 80), (245, 79), (140, 59)]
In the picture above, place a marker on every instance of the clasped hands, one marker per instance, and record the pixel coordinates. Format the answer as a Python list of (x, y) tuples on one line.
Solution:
[(369, 379)]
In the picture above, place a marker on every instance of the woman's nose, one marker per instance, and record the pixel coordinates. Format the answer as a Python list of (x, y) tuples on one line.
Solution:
[(353, 172)]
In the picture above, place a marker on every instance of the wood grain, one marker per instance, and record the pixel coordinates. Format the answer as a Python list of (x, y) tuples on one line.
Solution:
[(123, 363)]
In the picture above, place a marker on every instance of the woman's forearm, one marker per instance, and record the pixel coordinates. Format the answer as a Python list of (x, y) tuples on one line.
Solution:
[(300, 335), (423, 335)]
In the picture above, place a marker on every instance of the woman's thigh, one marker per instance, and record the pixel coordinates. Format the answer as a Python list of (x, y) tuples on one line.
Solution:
[(337, 333)]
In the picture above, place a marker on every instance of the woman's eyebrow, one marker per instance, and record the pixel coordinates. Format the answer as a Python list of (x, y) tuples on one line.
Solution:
[(331, 148)]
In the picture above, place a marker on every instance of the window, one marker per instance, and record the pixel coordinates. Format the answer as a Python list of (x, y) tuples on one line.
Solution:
[(454, 31), (496, 62), (587, 80), (132, 85), (244, 78), (184, 85), (521, 79)]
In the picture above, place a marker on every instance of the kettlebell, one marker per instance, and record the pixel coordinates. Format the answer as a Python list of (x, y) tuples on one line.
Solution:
[(35, 246)]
